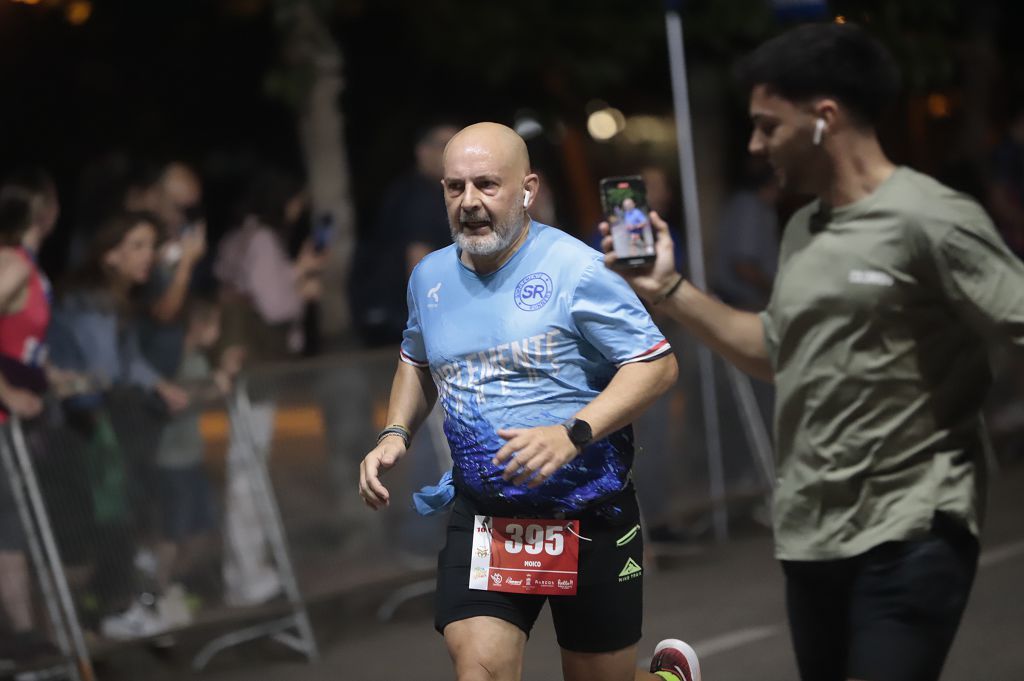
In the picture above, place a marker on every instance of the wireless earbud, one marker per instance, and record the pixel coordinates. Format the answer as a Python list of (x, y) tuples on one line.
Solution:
[(526, 198), (819, 129)]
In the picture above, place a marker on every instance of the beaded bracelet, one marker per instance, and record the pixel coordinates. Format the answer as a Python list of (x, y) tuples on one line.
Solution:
[(395, 429), (672, 289)]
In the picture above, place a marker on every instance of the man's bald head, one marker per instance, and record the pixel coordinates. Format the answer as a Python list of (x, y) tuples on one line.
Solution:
[(488, 187), (500, 143)]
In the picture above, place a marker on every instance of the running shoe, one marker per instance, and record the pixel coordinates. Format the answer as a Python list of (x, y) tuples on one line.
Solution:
[(675, 660)]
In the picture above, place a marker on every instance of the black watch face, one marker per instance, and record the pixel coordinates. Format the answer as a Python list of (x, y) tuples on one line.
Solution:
[(580, 433)]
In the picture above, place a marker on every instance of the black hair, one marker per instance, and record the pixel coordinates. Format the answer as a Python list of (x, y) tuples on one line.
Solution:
[(112, 231), (266, 197), (826, 60), (15, 214), (23, 194)]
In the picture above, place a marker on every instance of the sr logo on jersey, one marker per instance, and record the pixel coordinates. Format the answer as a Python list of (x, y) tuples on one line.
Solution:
[(533, 291)]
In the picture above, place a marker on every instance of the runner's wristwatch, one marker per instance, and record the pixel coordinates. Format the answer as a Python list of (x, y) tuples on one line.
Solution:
[(580, 433)]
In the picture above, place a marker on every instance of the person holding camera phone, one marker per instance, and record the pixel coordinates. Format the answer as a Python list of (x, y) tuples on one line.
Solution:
[(890, 288), (541, 358), (176, 198)]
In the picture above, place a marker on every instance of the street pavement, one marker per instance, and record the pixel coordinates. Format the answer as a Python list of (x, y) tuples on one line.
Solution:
[(725, 599)]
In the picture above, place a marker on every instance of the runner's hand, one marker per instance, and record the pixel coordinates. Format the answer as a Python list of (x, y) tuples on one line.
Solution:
[(382, 458), (649, 281), (534, 454)]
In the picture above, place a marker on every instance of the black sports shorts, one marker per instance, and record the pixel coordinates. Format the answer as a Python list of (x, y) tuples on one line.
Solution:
[(606, 612)]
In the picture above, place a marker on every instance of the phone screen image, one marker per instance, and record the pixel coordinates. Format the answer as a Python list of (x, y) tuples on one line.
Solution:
[(624, 200), (323, 231)]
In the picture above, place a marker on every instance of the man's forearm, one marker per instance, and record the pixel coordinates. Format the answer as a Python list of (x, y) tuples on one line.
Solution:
[(412, 397), (736, 335), (633, 388)]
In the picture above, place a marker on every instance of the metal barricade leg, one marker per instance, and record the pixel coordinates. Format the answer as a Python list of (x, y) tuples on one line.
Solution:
[(39, 563), (254, 468), (45, 554)]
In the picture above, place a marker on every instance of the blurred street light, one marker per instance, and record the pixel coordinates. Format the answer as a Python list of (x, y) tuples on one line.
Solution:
[(605, 124), (78, 12), (939, 105)]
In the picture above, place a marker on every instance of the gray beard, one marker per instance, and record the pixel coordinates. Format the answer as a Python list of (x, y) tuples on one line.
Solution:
[(502, 235)]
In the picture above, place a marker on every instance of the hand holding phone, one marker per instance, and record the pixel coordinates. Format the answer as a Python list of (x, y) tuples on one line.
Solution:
[(624, 200), (323, 232)]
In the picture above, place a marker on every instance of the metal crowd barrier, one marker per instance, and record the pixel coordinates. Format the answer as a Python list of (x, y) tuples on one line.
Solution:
[(87, 489), (62, 621)]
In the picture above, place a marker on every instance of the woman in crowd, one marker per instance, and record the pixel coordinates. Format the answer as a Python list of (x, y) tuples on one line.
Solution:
[(263, 295), (94, 334)]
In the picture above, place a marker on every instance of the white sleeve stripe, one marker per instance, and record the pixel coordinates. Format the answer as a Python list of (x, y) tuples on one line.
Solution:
[(658, 350), (409, 360)]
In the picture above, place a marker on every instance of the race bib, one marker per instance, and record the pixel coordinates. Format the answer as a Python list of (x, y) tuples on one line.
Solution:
[(525, 555)]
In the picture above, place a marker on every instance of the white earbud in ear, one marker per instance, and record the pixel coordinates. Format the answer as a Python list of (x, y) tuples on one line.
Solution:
[(819, 130), (526, 198)]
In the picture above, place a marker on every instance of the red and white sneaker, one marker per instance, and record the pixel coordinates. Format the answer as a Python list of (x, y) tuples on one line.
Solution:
[(676, 658)]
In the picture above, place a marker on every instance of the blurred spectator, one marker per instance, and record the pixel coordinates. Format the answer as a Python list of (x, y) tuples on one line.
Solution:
[(93, 334), (93, 329), (1006, 191), (175, 198), (412, 222), (747, 242), (263, 293), (186, 498), (28, 212)]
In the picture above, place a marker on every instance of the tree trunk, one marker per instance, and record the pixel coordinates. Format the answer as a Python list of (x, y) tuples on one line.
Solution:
[(310, 48)]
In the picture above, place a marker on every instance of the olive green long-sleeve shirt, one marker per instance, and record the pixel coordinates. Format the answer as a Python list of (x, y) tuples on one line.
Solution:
[(877, 331)]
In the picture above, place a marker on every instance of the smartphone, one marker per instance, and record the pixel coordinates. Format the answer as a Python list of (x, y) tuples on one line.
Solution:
[(323, 231), (624, 201)]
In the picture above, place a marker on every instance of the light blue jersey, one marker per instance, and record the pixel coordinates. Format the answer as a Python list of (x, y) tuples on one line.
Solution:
[(528, 345)]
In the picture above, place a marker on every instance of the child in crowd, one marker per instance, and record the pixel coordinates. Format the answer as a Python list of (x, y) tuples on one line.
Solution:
[(186, 499)]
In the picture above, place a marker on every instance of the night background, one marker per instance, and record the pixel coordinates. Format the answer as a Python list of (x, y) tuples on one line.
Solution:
[(211, 83)]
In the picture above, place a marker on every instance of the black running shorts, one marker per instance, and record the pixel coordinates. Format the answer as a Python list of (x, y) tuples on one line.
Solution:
[(604, 615)]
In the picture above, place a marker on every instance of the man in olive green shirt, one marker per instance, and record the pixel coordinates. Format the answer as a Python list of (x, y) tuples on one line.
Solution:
[(890, 288)]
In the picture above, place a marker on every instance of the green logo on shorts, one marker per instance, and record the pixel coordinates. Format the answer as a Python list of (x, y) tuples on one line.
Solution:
[(628, 537), (630, 571)]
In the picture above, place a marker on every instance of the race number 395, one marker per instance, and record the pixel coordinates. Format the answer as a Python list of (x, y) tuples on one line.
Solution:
[(525, 555), (534, 539)]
